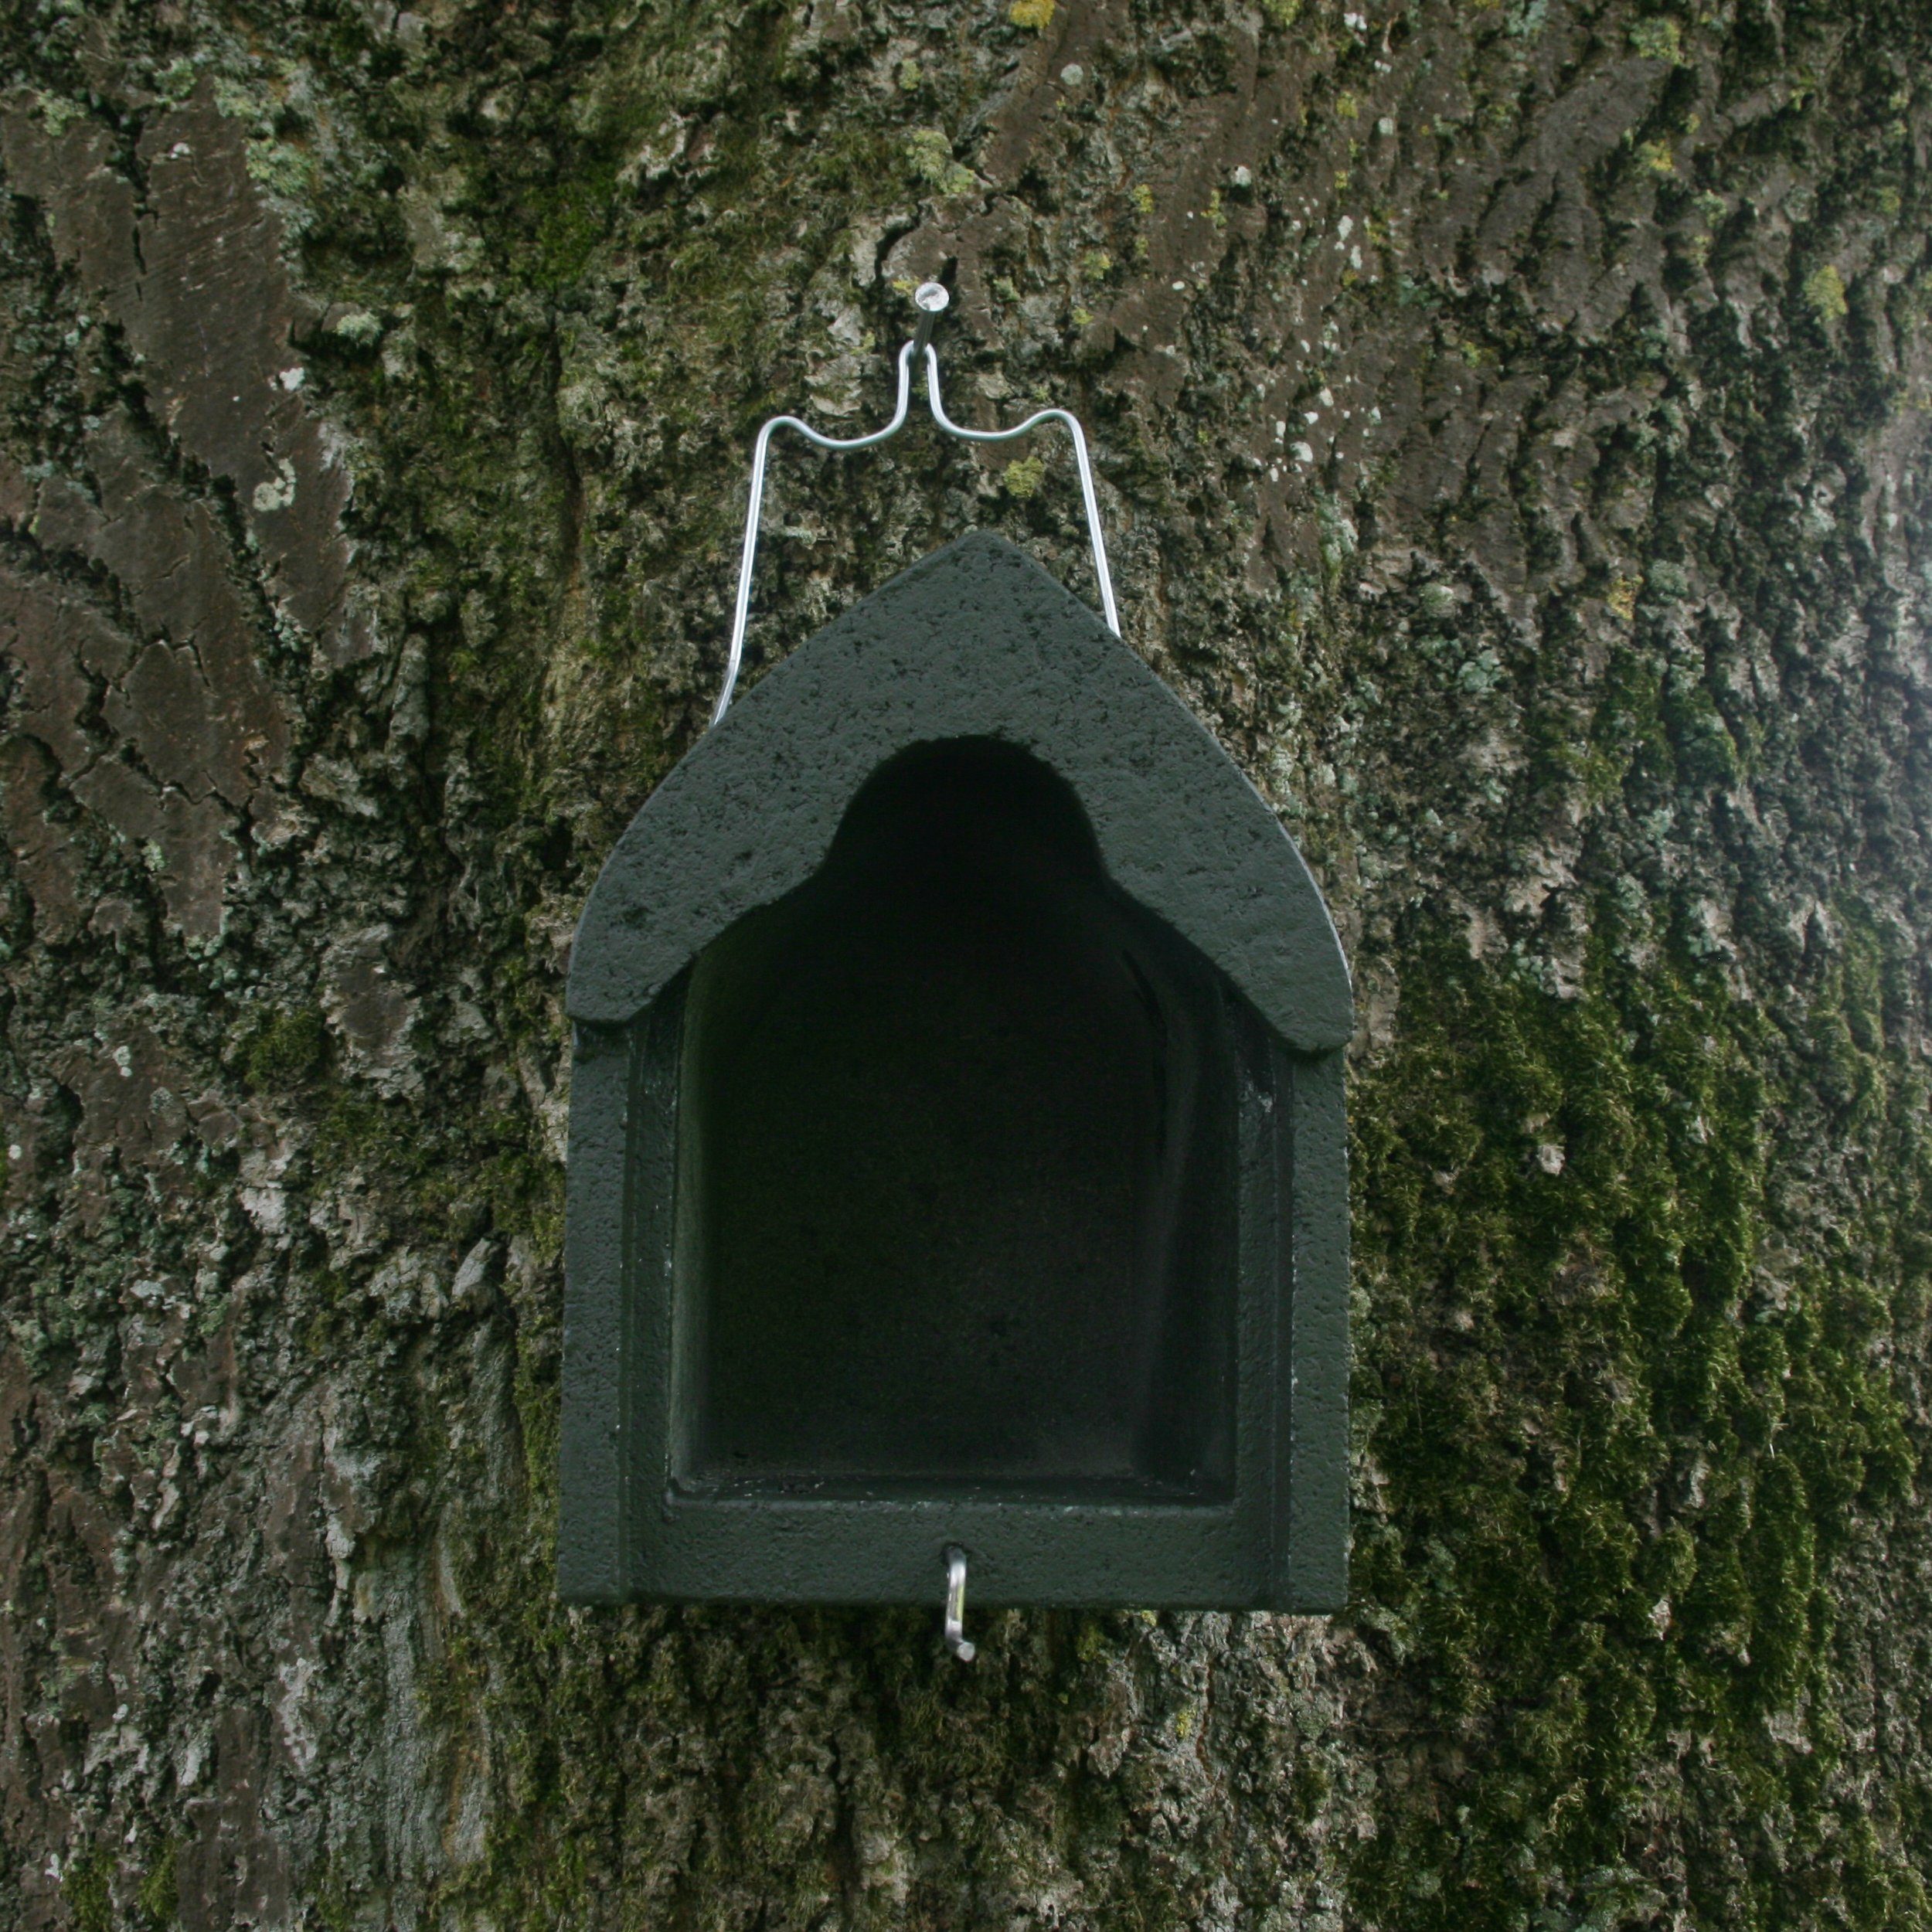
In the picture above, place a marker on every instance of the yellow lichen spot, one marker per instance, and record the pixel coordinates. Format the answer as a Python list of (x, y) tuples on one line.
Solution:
[(1037, 15), (1347, 107), (1083, 318), (1096, 263), (1215, 212), (1022, 479), (930, 155), (1623, 597), (1341, 178), (1659, 40), (1657, 157), (1824, 290), (279, 167), (57, 115), (1144, 199), (1184, 1723), (1283, 13)]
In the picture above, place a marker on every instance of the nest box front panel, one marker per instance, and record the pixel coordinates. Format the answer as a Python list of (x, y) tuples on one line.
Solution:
[(930, 1184)]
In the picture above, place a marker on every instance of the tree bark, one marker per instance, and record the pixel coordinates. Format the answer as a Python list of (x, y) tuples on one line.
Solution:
[(1511, 418)]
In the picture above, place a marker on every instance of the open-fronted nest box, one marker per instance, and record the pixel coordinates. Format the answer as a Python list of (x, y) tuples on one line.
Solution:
[(956, 1141)]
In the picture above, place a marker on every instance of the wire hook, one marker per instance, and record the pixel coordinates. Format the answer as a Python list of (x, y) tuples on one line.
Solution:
[(1086, 468), (956, 1640), (932, 301)]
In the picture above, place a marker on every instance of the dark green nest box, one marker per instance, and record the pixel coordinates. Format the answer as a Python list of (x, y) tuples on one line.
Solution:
[(956, 1141)]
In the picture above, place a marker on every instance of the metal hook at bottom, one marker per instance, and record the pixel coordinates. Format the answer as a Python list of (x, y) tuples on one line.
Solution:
[(956, 1606)]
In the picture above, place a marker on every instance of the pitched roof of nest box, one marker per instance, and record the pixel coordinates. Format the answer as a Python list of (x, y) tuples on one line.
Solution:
[(975, 642)]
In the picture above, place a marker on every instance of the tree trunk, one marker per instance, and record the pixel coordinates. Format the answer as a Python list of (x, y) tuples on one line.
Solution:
[(1512, 423)]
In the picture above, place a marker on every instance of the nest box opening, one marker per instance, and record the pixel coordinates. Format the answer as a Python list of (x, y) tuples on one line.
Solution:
[(955, 1196)]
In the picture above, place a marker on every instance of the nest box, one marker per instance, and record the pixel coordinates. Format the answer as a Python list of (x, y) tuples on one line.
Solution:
[(956, 1141)]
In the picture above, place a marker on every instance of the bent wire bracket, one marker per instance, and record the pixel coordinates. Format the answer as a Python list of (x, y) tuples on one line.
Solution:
[(932, 301)]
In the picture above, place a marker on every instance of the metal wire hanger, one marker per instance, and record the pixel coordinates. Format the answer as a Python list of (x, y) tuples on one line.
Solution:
[(932, 301)]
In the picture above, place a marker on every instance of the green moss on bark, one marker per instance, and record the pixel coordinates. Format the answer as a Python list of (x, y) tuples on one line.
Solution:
[(1612, 1454)]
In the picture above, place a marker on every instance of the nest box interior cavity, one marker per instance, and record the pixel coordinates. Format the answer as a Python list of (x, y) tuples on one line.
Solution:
[(956, 1141)]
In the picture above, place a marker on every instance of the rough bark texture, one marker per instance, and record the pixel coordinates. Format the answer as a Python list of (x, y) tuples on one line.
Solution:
[(1512, 417)]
